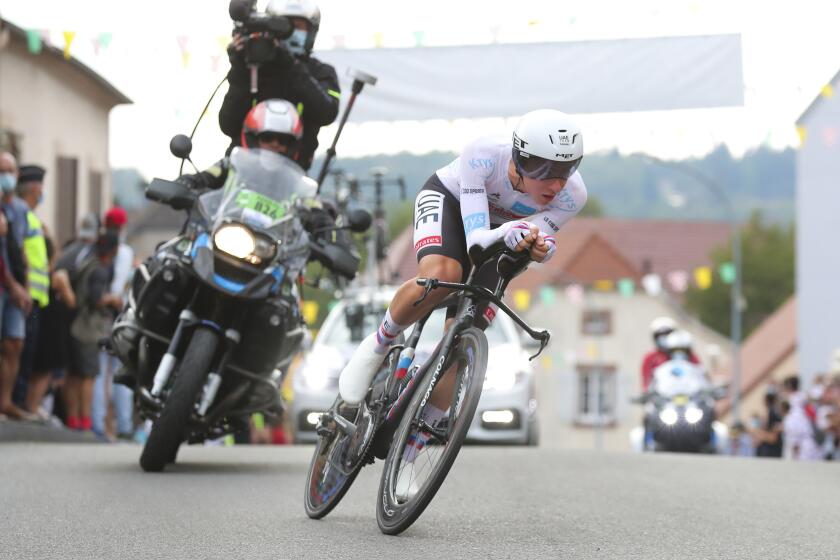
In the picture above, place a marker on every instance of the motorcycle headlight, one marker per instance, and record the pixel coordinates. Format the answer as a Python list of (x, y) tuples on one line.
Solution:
[(693, 415), (235, 240), (669, 416)]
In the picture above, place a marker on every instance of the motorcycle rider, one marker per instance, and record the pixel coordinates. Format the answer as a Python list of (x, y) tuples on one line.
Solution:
[(519, 190), (272, 125), (293, 74), (660, 328)]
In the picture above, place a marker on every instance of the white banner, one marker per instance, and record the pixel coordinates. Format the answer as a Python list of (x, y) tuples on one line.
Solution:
[(577, 77)]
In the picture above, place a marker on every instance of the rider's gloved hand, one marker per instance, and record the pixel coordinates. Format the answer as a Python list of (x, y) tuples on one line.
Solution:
[(520, 235), (543, 247)]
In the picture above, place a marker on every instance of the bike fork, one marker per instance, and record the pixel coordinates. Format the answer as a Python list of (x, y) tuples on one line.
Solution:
[(164, 370)]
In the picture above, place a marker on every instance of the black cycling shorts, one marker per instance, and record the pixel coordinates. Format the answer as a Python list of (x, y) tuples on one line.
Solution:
[(439, 230)]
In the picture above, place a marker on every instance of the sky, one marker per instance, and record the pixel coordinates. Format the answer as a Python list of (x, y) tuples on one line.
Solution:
[(789, 52)]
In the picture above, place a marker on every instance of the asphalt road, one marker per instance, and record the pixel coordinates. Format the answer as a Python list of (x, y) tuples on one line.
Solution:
[(92, 501)]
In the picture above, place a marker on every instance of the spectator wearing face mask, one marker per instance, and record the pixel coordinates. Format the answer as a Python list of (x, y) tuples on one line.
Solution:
[(30, 189), (16, 302)]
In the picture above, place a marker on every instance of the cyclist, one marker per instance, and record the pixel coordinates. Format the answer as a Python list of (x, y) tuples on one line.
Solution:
[(520, 191)]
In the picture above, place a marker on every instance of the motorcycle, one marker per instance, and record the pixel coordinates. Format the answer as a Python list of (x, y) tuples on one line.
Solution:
[(213, 319), (680, 410)]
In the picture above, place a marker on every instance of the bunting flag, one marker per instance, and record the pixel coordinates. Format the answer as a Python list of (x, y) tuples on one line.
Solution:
[(214, 62), (223, 41), (678, 280), (802, 132), (652, 283), (827, 90), (339, 41), (521, 300), (418, 38), (829, 136), (310, 312), (603, 285), (183, 42), (68, 40), (626, 287), (494, 34), (33, 41), (575, 294), (377, 39), (546, 362), (591, 350), (547, 296), (105, 39), (727, 272), (703, 277)]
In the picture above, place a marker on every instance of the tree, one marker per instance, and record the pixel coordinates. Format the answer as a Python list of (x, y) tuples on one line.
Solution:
[(768, 252)]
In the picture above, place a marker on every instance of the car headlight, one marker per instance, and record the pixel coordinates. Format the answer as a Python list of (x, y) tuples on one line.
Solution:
[(693, 414), (235, 240), (668, 416)]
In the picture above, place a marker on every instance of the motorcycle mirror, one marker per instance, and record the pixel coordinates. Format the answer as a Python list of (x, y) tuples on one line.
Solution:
[(180, 146), (360, 220)]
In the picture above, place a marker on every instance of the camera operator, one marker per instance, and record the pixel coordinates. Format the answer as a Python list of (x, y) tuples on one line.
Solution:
[(286, 70)]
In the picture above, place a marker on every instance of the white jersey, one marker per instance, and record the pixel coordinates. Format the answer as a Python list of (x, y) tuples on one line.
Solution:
[(479, 180)]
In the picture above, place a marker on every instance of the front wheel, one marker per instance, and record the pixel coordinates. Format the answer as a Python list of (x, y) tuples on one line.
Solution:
[(418, 460), (169, 430)]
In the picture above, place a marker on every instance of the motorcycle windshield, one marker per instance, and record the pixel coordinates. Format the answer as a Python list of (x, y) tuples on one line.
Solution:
[(261, 190), (679, 377)]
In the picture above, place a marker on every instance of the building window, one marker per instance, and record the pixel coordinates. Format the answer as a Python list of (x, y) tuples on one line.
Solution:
[(67, 189), (596, 323), (596, 394)]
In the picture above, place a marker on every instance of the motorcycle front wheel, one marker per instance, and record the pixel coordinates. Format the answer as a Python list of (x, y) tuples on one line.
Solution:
[(169, 429)]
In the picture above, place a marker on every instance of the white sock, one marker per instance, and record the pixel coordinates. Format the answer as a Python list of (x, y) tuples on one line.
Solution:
[(416, 442), (387, 332)]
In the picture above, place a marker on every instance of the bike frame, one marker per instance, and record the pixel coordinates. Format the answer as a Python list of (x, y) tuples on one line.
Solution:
[(468, 297)]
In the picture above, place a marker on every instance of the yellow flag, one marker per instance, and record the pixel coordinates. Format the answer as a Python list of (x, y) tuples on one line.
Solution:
[(223, 41), (310, 311), (802, 132), (377, 39), (591, 351), (522, 299), (703, 277), (603, 285), (185, 58), (827, 90), (68, 40)]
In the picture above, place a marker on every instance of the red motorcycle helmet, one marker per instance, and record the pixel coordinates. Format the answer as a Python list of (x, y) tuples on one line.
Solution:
[(276, 123)]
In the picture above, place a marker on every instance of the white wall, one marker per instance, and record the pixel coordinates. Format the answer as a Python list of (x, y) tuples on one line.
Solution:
[(817, 234), (59, 113), (624, 348)]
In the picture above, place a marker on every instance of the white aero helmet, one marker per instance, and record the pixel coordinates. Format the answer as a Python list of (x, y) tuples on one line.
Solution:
[(547, 144), (678, 340), (662, 325), (300, 42)]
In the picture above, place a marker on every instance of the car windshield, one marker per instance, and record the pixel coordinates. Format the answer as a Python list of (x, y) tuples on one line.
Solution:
[(359, 321), (261, 189)]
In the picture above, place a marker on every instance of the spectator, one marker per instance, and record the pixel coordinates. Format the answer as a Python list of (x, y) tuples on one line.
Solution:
[(16, 300), (767, 433), (91, 283), (105, 390), (51, 349), (798, 429), (30, 189)]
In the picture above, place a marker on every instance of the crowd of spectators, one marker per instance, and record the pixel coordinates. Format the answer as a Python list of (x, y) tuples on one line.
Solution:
[(797, 423), (57, 304)]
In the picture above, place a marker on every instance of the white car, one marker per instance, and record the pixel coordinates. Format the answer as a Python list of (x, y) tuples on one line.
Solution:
[(506, 411)]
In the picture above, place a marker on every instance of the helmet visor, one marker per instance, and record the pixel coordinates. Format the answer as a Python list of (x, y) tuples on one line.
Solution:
[(535, 167)]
